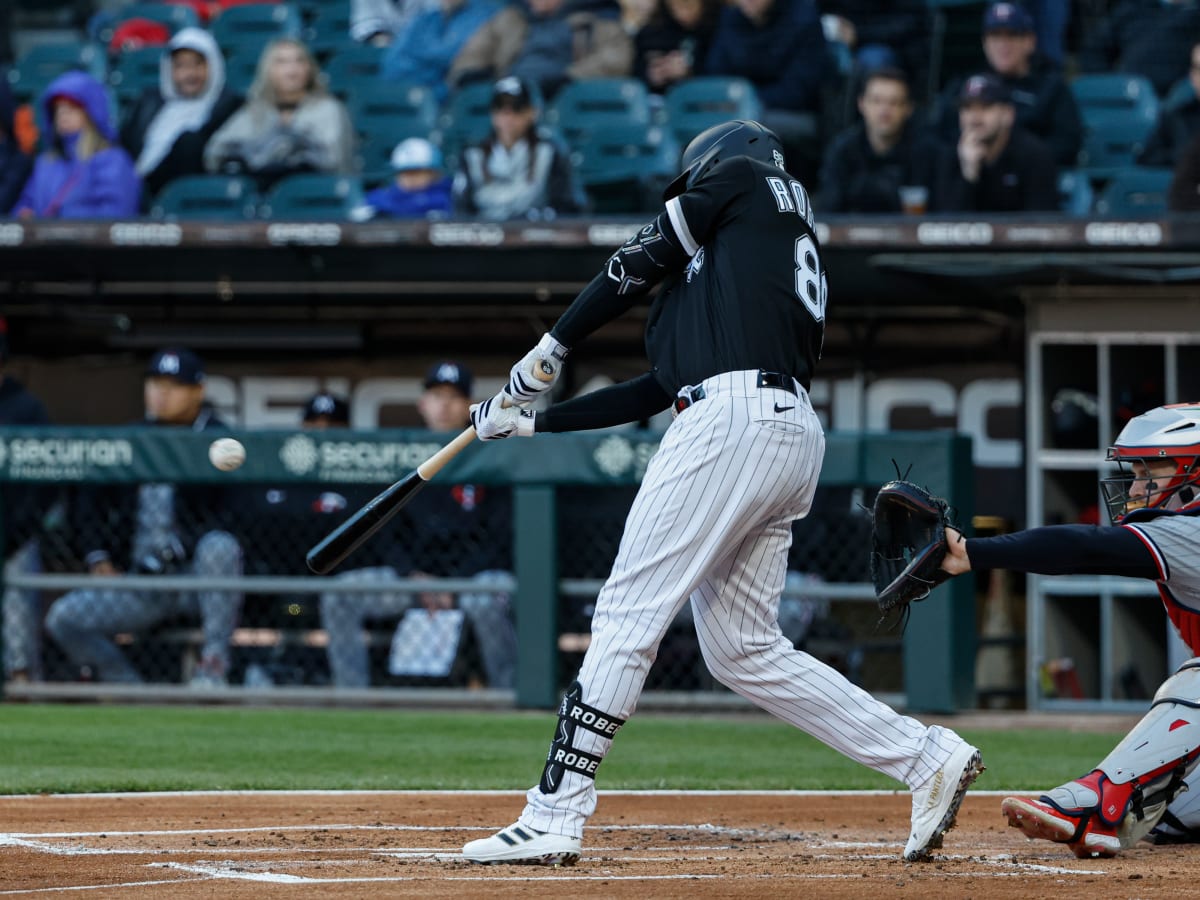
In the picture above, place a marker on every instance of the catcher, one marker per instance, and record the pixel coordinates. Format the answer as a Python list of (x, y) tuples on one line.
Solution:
[(1140, 790)]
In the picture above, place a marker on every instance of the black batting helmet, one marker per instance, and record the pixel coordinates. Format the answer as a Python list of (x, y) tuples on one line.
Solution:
[(736, 138)]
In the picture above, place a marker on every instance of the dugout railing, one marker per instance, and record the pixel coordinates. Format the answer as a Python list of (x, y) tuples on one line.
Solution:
[(567, 495)]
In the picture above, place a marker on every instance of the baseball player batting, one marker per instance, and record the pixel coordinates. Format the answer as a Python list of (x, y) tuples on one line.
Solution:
[(733, 336)]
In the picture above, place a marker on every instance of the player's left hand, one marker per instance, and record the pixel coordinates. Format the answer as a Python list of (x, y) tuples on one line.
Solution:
[(497, 418), (536, 371)]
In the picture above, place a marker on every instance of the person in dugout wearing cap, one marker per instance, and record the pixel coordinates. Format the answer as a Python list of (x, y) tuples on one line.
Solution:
[(420, 187)]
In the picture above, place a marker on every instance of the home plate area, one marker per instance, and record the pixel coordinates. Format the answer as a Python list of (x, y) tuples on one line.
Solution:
[(640, 844)]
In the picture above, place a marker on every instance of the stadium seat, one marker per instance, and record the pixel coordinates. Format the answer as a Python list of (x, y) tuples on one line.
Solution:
[(173, 15), (314, 197), (240, 28), (395, 111), (240, 69), (1103, 96), (353, 67), (218, 197), (598, 102), (1181, 92), (311, 9), (329, 33), (44, 62), (1110, 144), (1075, 194), (625, 167), (699, 103), (134, 72), (1137, 191), (466, 119)]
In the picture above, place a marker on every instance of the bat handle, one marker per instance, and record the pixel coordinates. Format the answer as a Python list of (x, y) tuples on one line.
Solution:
[(437, 462)]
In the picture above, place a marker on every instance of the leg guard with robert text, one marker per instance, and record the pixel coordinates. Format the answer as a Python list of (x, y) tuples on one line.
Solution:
[(1126, 795)]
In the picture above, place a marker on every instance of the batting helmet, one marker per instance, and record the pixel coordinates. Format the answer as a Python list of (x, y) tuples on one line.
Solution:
[(1166, 434), (729, 139)]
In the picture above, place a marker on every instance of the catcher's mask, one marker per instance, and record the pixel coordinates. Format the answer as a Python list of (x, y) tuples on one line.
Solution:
[(1161, 449), (735, 138)]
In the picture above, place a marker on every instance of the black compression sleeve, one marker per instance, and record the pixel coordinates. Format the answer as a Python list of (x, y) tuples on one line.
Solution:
[(628, 401), (1065, 550), (596, 304)]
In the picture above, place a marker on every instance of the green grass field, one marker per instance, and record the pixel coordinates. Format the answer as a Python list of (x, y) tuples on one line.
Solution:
[(55, 748)]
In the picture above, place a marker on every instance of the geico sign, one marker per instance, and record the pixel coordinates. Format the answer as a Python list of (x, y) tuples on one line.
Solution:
[(954, 233), (1134, 234)]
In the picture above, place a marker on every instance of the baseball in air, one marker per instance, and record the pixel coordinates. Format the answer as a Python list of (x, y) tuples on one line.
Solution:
[(226, 454)]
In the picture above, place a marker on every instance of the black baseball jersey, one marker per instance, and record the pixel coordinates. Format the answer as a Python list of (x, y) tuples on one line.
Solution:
[(753, 295)]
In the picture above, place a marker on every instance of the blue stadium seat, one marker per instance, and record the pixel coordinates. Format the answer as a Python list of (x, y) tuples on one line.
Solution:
[(466, 119), (625, 167), (239, 29), (314, 197), (1110, 144), (1181, 92), (44, 62), (240, 69), (597, 102), (1136, 191), (1075, 194), (329, 33), (699, 103), (311, 9), (134, 72), (352, 68), (396, 111), (1103, 96), (216, 197)]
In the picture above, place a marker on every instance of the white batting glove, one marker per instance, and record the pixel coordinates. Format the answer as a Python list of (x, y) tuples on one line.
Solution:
[(493, 421), (537, 371)]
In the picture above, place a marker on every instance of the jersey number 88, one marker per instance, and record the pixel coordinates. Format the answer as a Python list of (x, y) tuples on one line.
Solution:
[(811, 286)]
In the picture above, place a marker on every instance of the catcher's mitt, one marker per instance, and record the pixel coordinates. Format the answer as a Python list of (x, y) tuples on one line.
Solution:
[(908, 543)]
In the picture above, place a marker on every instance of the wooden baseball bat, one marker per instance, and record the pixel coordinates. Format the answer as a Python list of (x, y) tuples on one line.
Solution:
[(377, 512)]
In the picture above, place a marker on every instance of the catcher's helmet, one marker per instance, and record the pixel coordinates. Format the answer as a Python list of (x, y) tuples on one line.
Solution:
[(1170, 433), (735, 138)]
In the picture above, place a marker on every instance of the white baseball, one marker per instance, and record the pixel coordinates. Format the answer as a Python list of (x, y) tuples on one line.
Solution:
[(226, 454)]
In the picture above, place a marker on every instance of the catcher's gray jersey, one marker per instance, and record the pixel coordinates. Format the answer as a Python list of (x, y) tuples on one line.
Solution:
[(1174, 541)]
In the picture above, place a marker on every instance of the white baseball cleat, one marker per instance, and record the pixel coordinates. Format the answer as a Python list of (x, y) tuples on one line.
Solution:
[(935, 805), (521, 845)]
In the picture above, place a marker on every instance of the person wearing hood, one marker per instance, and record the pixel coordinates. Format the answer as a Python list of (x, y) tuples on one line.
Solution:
[(167, 127), (290, 122), (83, 173), (14, 164)]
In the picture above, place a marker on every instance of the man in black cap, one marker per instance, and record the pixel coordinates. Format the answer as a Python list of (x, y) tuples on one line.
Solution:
[(24, 507), (154, 529), (520, 171), (1041, 97), (1001, 167), (326, 410)]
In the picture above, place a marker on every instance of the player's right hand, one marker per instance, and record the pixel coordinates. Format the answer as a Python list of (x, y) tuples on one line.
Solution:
[(537, 371), (493, 420)]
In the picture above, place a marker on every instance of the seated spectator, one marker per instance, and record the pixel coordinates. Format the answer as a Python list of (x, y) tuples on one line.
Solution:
[(423, 50), (167, 127), (153, 529), (420, 189), (867, 165), (82, 173), (520, 170), (1043, 100), (1177, 123), (1001, 167), (460, 531), (15, 166), (545, 43), (290, 122), (1143, 37), (673, 44), (881, 33), (779, 46), (377, 22), (1184, 192)]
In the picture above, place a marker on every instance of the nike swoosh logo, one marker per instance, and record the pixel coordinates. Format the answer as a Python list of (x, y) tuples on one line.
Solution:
[(780, 409)]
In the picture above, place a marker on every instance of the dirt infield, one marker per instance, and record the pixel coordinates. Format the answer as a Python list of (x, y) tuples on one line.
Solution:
[(641, 845)]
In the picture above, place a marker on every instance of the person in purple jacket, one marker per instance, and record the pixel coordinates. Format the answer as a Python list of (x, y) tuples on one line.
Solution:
[(420, 188), (83, 173)]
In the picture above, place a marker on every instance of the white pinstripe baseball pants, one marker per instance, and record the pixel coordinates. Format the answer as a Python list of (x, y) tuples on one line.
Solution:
[(712, 521)]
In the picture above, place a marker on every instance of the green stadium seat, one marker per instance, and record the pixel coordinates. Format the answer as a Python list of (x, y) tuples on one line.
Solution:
[(353, 67), (240, 28), (134, 72), (466, 119), (624, 168), (314, 197), (217, 197), (34, 71), (329, 33), (588, 106), (1103, 96), (395, 111), (1110, 144), (1075, 194), (240, 69), (699, 103), (1136, 191)]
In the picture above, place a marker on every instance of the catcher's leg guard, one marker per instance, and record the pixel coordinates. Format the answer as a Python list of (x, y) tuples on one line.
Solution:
[(564, 755), (1124, 797)]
